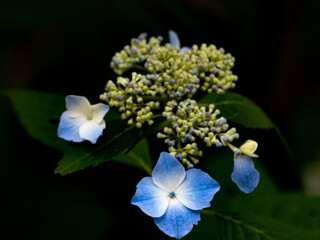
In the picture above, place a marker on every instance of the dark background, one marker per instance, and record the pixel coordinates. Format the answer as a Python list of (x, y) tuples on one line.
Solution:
[(65, 47)]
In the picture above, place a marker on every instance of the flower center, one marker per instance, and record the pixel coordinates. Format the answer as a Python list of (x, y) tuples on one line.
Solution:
[(172, 194), (89, 116)]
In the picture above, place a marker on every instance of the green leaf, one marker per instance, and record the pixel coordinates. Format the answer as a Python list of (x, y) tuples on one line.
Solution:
[(138, 157), (239, 109), (231, 226), (39, 113)]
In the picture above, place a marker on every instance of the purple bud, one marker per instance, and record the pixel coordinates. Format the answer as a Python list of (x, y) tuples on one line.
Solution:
[(175, 125), (189, 108), (171, 96), (226, 139), (119, 97), (208, 114), (220, 123), (205, 123), (212, 129), (186, 91), (187, 137), (134, 51), (136, 91), (177, 94), (154, 77), (116, 60), (147, 82), (190, 85), (136, 41), (179, 156), (197, 80), (189, 166), (194, 72), (216, 71), (171, 81), (214, 87), (218, 144)]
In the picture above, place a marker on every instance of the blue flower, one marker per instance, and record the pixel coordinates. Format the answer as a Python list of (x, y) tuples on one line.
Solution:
[(173, 196), (82, 121), (175, 42), (244, 174)]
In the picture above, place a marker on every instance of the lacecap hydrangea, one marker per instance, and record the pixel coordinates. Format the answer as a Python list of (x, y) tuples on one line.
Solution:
[(156, 82)]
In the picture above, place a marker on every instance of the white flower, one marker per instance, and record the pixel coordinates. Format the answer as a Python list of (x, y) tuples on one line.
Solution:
[(175, 42), (82, 121)]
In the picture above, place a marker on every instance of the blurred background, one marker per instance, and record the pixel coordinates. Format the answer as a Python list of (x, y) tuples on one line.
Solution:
[(65, 47)]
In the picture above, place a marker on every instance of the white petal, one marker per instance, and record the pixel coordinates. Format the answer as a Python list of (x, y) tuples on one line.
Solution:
[(77, 106), (69, 127), (98, 111), (92, 130), (168, 173), (174, 39)]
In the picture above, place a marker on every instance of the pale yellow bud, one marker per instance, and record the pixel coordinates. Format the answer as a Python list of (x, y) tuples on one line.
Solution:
[(249, 147)]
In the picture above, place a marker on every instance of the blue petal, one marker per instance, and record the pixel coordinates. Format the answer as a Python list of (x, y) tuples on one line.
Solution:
[(152, 200), (69, 127), (244, 174), (184, 50), (174, 39), (197, 190), (169, 173), (178, 220)]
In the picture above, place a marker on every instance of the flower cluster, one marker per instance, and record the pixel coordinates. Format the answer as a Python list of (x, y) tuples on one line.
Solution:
[(189, 122), (165, 82)]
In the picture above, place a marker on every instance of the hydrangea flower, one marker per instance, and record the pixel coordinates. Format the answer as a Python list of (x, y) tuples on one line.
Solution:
[(244, 173), (175, 42), (173, 196), (82, 121)]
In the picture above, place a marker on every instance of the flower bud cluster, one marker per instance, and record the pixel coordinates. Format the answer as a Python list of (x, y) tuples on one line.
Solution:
[(205, 64), (189, 122), (128, 96), (166, 85)]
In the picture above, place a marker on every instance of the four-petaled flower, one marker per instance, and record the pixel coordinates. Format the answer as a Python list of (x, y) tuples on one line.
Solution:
[(173, 196), (82, 121)]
